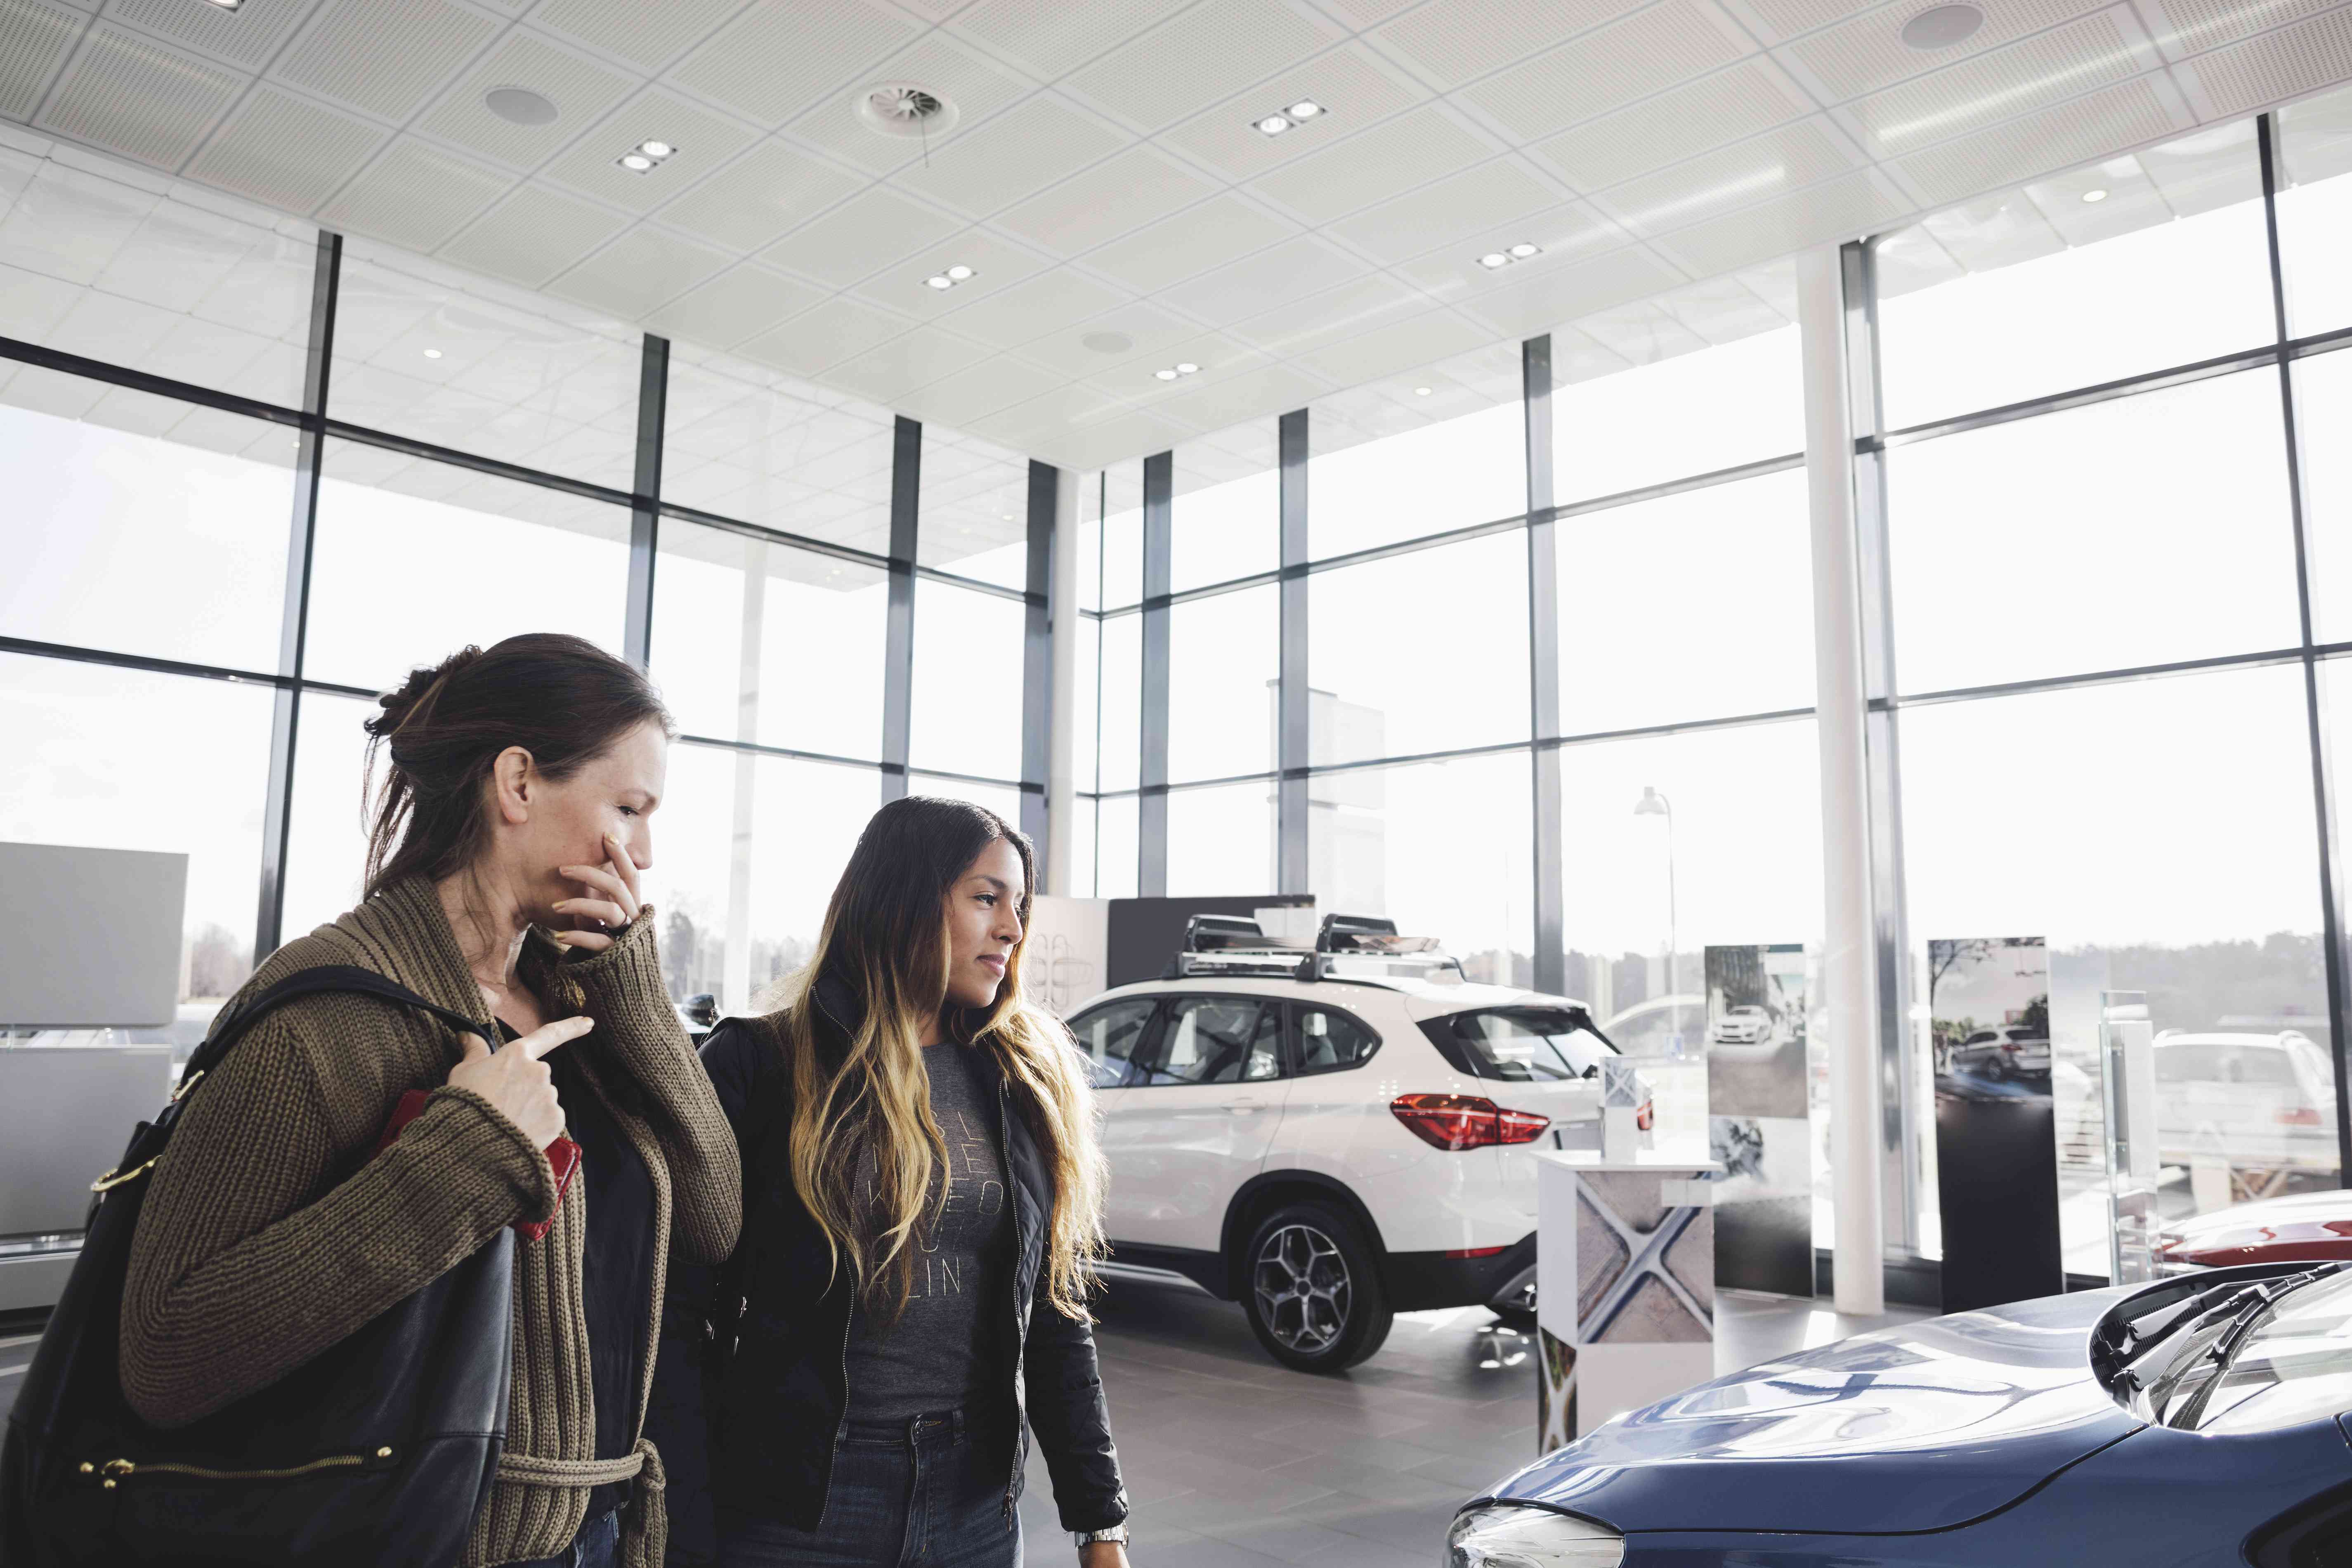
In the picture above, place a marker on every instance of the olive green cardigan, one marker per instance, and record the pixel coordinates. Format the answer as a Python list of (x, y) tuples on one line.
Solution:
[(252, 1257)]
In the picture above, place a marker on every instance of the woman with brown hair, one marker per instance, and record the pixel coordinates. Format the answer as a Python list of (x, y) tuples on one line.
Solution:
[(923, 1191), (502, 884)]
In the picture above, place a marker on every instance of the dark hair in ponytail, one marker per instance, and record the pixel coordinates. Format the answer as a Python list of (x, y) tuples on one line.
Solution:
[(561, 698)]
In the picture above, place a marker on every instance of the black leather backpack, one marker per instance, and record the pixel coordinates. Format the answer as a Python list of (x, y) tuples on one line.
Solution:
[(379, 1451)]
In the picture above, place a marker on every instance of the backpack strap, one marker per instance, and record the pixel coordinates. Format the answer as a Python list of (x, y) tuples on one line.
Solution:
[(232, 1025)]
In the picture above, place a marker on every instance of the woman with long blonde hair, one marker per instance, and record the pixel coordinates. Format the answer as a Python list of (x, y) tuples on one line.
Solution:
[(922, 1191)]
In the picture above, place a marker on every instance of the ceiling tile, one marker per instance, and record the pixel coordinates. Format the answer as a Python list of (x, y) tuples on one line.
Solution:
[(1673, 126), (137, 98), (1214, 50), (1255, 284), (1355, 306), (1209, 235), (533, 235), (1566, 235), (2187, 25), (996, 264), (1725, 310), (386, 57), (1787, 18), (1122, 435), (703, 140), (1833, 212), (1365, 13), (1050, 39), (1054, 411), (1447, 211), (1648, 52), (1149, 331), (414, 196), (1409, 151), (888, 371), (1868, 53), (2001, 85), (1399, 345), (638, 271), (966, 395), (246, 37), (1020, 152), (285, 151), (582, 93), (978, 88), (1729, 178), (34, 39), (876, 229), (644, 36), (1220, 356), (1455, 41), (734, 306), (1355, 86), (1032, 308), (772, 61), (759, 196), (1266, 393), (826, 335), (2281, 65), (2070, 134), (1523, 310), (1108, 200)]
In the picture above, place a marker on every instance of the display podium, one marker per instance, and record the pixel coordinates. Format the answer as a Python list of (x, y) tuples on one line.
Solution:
[(1625, 1285)]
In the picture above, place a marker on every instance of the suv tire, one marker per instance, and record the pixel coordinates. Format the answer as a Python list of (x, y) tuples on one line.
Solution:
[(1311, 1286)]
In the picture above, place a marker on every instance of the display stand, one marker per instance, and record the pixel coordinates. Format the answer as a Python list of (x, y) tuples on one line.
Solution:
[(1625, 1286), (2127, 1068)]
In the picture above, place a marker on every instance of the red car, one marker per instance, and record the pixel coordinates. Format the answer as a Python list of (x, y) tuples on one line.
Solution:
[(2298, 1227)]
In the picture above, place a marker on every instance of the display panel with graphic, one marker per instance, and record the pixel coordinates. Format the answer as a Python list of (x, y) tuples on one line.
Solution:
[(1996, 1124), (1758, 1129)]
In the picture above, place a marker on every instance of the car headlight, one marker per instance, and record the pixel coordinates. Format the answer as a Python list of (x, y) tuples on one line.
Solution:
[(1503, 1535)]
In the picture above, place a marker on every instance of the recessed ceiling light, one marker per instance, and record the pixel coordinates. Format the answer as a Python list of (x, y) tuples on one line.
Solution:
[(1421, 391), (939, 281), (1941, 27), (1274, 124), (636, 162), (1305, 109), (224, 4), (1494, 259), (431, 353), (1522, 250), (655, 149), (1180, 368), (1186, 368), (519, 106), (951, 277), (959, 273), (2095, 195), (1165, 374)]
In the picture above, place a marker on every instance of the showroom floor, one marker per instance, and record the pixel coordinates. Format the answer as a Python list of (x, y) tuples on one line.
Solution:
[(1234, 1462)]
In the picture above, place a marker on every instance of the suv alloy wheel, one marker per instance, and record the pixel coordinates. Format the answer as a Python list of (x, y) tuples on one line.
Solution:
[(1313, 1289)]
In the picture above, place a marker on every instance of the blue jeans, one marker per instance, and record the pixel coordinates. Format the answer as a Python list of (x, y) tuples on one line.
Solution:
[(598, 1545), (919, 1494)]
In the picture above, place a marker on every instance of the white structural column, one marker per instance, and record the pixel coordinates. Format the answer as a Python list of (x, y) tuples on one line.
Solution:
[(737, 989), (1849, 962), (1061, 599)]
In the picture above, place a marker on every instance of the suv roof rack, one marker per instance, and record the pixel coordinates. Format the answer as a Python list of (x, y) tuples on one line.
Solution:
[(1353, 947)]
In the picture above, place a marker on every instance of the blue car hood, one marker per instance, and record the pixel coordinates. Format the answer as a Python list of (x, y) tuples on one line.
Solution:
[(1918, 1428)]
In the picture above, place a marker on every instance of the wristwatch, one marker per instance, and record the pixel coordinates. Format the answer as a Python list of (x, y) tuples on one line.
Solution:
[(1115, 1535)]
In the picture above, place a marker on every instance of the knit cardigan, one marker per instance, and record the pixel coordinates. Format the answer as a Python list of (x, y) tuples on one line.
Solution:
[(268, 1233)]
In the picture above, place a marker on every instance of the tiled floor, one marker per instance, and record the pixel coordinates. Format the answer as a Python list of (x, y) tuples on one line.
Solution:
[(1233, 1462)]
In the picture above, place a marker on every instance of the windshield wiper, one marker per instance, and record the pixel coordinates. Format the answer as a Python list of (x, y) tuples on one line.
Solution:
[(2129, 1345), (2243, 1309)]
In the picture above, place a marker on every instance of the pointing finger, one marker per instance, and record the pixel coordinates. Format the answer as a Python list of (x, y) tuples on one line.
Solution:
[(541, 1040)]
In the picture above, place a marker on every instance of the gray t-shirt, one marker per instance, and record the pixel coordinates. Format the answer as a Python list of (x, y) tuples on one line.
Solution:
[(946, 1350)]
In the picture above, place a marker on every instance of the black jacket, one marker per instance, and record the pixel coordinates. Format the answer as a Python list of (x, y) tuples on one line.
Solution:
[(750, 1385)]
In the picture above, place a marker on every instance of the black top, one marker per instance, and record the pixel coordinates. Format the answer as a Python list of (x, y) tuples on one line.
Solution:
[(946, 1350), (618, 1259)]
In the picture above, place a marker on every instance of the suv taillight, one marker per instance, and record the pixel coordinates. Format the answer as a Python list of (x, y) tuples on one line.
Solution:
[(1465, 1121)]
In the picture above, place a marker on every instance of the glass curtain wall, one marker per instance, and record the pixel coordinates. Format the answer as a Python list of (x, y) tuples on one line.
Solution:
[(2109, 473), (212, 573)]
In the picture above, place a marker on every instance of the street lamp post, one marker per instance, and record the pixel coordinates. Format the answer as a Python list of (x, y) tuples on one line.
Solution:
[(1653, 803)]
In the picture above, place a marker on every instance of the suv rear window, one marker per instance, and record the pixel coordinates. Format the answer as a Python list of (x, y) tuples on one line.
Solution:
[(1518, 1045)]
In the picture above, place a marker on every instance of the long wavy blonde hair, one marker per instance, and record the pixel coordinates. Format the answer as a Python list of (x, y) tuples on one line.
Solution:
[(886, 939)]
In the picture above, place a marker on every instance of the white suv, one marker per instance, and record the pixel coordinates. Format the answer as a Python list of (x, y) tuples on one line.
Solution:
[(1334, 1136)]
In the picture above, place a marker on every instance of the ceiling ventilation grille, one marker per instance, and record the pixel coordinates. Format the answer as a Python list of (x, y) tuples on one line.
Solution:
[(905, 108)]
